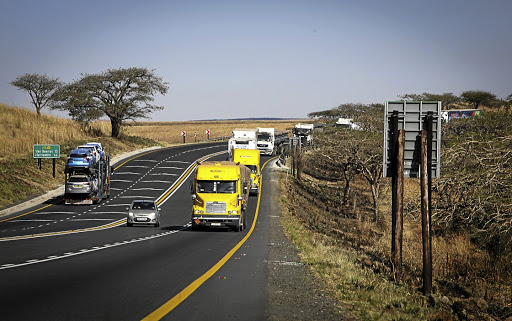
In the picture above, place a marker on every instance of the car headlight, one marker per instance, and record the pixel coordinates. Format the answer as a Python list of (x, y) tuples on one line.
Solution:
[(130, 214)]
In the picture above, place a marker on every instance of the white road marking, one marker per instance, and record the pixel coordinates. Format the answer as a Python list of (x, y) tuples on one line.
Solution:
[(93, 219), (128, 173), (121, 180), (43, 213), (166, 182), (168, 174)]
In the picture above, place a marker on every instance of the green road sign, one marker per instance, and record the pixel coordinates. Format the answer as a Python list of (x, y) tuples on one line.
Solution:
[(46, 151)]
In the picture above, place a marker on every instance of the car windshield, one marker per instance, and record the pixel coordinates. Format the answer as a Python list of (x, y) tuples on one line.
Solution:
[(78, 179), (253, 168), (227, 187), (143, 206), (78, 155)]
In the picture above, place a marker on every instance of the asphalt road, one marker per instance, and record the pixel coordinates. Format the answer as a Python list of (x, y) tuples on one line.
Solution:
[(61, 262)]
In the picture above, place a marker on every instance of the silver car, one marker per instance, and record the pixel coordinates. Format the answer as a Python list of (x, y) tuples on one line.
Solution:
[(79, 184), (143, 212)]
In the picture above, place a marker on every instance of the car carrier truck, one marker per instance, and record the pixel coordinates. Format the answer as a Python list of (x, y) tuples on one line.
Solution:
[(220, 193), (87, 185)]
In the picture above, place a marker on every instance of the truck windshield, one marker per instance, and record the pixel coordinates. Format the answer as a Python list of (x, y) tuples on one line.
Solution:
[(228, 187), (265, 137), (253, 168)]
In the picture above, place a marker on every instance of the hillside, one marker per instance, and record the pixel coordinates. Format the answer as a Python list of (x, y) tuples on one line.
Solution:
[(20, 129)]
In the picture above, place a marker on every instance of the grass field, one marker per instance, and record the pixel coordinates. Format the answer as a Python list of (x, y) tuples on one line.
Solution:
[(168, 133)]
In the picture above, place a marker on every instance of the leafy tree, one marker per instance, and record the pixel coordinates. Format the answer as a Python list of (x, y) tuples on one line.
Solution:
[(477, 97), (120, 94), (509, 98), (41, 88)]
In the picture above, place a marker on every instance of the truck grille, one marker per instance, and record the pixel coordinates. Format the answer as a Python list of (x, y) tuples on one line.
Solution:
[(216, 207)]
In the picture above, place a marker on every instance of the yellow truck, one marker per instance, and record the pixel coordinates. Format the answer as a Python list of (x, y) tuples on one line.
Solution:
[(220, 193), (251, 159)]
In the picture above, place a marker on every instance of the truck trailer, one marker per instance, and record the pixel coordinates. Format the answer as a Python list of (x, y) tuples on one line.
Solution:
[(220, 194)]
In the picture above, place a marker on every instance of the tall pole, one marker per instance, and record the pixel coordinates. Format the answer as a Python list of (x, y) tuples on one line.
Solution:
[(399, 218), (395, 250), (425, 218)]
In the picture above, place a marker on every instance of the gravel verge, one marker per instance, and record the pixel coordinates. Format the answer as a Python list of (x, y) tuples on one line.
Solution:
[(293, 293)]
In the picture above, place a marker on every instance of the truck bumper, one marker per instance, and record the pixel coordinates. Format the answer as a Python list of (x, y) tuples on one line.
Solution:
[(207, 220)]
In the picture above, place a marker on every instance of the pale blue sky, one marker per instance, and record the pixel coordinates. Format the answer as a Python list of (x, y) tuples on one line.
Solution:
[(231, 59)]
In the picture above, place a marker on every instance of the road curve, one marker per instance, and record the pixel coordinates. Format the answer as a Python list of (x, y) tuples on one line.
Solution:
[(62, 262)]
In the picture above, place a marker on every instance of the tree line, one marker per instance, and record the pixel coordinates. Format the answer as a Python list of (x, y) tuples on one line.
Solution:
[(120, 94)]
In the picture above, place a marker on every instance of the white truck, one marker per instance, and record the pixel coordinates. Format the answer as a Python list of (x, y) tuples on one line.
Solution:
[(304, 132), (270, 141), (347, 123), (243, 138)]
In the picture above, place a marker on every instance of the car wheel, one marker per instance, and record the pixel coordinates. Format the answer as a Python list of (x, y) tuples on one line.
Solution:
[(129, 224), (157, 224)]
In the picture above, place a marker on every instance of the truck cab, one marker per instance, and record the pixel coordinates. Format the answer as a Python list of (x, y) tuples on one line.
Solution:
[(220, 194)]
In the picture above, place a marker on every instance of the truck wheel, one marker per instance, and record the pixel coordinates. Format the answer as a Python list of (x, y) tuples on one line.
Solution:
[(244, 223), (237, 228)]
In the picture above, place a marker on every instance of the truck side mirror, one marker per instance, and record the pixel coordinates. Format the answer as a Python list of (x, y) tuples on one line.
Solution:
[(193, 196), (191, 187), (240, 198)]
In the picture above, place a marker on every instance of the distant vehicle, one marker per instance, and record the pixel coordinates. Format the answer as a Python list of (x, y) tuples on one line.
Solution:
[(240, 143), (251, 159), (80, 184), (347, 123), (270, 141), (80, 158), (304, 132), (143, 212)]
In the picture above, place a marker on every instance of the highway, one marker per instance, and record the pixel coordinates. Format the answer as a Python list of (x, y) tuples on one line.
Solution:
[(81, 262)]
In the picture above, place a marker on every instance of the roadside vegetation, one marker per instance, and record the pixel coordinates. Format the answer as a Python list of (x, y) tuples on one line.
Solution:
[(339, 215)]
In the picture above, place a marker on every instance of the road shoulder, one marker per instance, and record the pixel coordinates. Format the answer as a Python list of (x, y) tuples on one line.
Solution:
[(292, 291)]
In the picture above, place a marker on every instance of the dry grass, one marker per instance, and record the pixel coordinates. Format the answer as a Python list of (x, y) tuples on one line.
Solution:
[(467, 281), (21, 128), (170, 132)]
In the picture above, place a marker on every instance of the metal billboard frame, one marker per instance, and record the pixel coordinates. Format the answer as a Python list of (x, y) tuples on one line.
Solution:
[(411, 118)]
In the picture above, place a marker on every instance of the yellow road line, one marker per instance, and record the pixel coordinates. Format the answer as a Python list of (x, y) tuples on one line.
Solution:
[(12, 218), (184, 177), (90, 229), (185, 293)]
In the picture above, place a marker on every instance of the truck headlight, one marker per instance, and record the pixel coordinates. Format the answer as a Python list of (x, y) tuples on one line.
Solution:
[(234, 211)]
